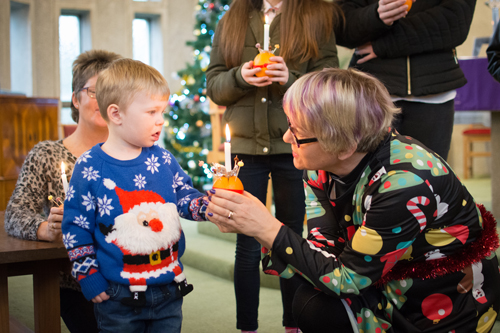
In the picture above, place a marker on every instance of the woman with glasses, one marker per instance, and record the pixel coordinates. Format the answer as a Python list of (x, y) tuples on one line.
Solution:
[(256, 119), (396, 243), (30, 214)]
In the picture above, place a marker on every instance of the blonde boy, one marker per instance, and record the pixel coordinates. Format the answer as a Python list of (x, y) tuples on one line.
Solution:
[(121, 219)]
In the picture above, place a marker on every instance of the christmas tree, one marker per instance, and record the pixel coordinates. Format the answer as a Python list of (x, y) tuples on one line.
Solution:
[(188, 130)]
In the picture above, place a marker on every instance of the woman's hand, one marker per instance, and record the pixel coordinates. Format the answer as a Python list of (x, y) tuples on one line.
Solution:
[(248, 74), (279, 71), (100, 298), (390, 11), (50, 230), (367, 51), (242, 213)]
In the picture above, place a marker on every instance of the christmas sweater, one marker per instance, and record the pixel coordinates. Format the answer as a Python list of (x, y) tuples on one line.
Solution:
[(121, 219), (402, 242)]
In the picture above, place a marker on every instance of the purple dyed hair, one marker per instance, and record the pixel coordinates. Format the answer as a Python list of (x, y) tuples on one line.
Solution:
[(343, 108)]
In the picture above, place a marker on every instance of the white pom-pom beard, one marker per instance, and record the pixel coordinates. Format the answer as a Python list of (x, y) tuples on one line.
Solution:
[(137, 239)]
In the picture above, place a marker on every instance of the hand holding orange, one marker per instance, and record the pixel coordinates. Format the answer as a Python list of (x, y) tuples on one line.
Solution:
[(409, 3), (232, 183), (262, 61)]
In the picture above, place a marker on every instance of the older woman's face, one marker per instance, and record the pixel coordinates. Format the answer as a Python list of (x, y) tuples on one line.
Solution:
[(87, 106), (309, 156)]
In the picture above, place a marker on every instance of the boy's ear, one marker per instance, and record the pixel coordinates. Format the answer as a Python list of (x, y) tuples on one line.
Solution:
[(114, 114)]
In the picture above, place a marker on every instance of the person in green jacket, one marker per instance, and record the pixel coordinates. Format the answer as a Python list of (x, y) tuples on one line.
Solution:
[(303, 29)]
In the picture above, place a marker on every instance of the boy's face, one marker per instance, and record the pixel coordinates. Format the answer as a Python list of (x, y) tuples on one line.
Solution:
[(142, 121)]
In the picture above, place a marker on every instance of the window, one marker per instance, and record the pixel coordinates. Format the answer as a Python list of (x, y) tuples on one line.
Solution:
[(141, 31), (147, 41), (74, 38), (20, 49)]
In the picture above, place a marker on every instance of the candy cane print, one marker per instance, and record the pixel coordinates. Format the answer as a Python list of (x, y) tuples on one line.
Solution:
[(315, 232), (416, 211)]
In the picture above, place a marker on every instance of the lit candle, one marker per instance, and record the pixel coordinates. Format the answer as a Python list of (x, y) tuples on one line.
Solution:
[(266, 35), (227, 149), (64, 179)]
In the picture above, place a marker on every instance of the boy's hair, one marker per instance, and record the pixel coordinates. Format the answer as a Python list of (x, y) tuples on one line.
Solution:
[(343, 108), (124, 78), (87, 65)]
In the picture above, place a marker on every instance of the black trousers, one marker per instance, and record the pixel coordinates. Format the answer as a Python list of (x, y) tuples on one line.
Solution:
[(77, 312), (431, 124), (314, 311)]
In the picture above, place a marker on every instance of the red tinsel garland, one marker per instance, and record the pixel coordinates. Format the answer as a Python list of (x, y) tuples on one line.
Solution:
[(469, 254)]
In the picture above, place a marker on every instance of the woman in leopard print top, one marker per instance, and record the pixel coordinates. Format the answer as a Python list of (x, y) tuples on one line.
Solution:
[(30, 215), (40, 177)]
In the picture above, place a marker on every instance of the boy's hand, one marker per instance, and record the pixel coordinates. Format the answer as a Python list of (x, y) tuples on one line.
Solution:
[(100, 298)]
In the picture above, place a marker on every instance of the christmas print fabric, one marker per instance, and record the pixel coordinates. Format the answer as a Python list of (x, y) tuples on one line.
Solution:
[(403, 242)]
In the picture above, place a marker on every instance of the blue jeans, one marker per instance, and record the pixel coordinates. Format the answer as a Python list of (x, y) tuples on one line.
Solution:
[(162, 312), (289, 201)]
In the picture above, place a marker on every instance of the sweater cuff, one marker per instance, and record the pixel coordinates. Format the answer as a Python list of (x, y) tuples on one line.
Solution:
[(198, 209), (272, 262), (93, 285)]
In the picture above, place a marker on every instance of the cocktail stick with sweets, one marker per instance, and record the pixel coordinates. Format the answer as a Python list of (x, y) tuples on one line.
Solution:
[(227, 179)]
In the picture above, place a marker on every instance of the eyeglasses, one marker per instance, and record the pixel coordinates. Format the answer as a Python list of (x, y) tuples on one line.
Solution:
[(295, 139), (90, 91)]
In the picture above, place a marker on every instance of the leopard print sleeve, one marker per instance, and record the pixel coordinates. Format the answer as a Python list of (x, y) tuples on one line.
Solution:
[(40, 177)]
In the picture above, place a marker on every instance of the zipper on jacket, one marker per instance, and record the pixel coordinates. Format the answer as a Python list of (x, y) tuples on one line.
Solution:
[(455, 56), (408, 74)]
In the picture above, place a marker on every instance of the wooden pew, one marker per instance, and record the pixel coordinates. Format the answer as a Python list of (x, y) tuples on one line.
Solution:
[(23, 123)]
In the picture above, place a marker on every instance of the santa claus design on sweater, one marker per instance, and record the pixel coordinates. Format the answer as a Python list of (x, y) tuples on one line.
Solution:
[(147, 233)]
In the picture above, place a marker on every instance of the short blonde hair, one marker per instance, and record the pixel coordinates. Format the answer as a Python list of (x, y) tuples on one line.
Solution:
[(343, 108), (124, 78)]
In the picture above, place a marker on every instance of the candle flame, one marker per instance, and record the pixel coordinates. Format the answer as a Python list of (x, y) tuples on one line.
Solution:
[(266, 19), (63, 168), (228, 134)]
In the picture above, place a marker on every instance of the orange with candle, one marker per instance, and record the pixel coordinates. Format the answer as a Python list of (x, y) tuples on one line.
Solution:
[(226, 177), (262, 61), (232, 183)]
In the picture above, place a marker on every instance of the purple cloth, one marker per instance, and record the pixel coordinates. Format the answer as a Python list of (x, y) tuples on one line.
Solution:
[(481, 92)]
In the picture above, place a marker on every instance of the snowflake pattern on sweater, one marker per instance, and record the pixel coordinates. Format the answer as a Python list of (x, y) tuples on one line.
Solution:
[(121, 221)]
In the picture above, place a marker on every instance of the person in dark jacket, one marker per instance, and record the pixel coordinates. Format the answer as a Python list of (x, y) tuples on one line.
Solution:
[(413, 53), (493, 53), (257, 121)]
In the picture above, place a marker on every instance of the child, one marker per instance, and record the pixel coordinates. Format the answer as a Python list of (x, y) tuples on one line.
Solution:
[(121, 218)]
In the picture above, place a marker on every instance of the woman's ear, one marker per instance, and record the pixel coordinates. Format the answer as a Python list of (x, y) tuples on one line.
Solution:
[(114, 114), (344, 155), (74, 100)]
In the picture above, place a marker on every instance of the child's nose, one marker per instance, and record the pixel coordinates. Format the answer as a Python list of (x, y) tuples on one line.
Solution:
[(160, 120)]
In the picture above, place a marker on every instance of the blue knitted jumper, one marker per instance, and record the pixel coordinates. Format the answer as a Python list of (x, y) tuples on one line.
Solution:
[(121, 219)]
